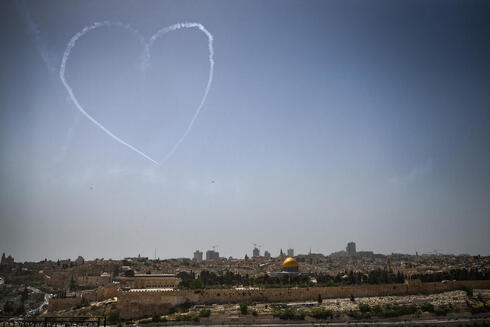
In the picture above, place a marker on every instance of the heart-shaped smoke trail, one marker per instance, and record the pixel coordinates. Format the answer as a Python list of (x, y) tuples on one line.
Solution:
[(146, 57)]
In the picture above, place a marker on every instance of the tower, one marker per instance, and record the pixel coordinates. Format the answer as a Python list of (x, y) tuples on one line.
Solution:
[(351, 249), (197, 256)]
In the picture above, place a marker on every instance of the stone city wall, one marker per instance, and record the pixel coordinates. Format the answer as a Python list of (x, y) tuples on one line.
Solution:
[(93, 281), (100, 294), (147, 282), (56, 304), (135, 304), (57, 279)]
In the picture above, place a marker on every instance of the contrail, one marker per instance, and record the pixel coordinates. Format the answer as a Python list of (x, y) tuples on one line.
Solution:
[(146, 57), (47, 56)]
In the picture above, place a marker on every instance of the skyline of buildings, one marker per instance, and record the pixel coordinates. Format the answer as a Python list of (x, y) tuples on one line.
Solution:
[(200, 256)]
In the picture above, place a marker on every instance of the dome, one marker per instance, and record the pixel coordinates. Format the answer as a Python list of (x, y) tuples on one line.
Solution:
[(290, 263)]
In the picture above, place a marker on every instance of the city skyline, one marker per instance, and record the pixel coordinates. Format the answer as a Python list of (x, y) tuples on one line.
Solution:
[(262, 253)]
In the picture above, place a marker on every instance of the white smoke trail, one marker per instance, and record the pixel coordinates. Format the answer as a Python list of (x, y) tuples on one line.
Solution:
[(146, 57), (175, 27), (48, 57)]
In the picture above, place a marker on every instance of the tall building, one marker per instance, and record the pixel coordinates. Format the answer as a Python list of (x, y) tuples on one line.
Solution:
[(351, 249), (7, 260), (197, 256), (290, 253), (267, 254), (211, 255), (256, 253)]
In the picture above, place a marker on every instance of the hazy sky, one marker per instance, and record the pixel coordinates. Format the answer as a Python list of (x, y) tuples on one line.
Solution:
[(326, 122)]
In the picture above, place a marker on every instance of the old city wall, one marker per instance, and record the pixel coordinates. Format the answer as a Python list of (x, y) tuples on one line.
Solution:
[(145, 282), (144, 303), (93, 281), (56, 304), (100, 294), (58, 279)]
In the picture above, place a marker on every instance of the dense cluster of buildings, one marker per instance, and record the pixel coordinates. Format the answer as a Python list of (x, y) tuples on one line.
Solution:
[(342, 261), (98, 279), (68, 274)]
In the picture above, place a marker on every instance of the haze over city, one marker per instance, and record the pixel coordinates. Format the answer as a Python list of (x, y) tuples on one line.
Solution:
[(325, 122)]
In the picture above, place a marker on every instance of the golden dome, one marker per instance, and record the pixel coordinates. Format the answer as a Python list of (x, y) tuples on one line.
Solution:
[(290, 263)]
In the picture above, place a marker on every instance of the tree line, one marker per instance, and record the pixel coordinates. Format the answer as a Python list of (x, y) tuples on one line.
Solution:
[(228, 279)]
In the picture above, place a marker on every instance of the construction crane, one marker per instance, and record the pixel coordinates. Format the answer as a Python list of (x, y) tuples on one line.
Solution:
[(214, 247), (257, 245)]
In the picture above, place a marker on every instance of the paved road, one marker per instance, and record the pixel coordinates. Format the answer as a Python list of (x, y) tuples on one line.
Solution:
[(46, 299)]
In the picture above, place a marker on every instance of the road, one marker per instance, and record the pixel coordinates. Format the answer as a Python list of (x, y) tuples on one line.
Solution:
[(45, 303)]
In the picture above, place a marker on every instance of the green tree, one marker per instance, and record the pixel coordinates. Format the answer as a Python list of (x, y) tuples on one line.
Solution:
[(364, 307), (427, 307), (204, 313), (25, 294), (8, 308), (320, 313), (156, 317), (73, 284), (468, 290), (112, 317), (243, 308), (84, 302)]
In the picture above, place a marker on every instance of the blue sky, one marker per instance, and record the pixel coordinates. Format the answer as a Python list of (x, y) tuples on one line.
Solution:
[(326, 122)]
